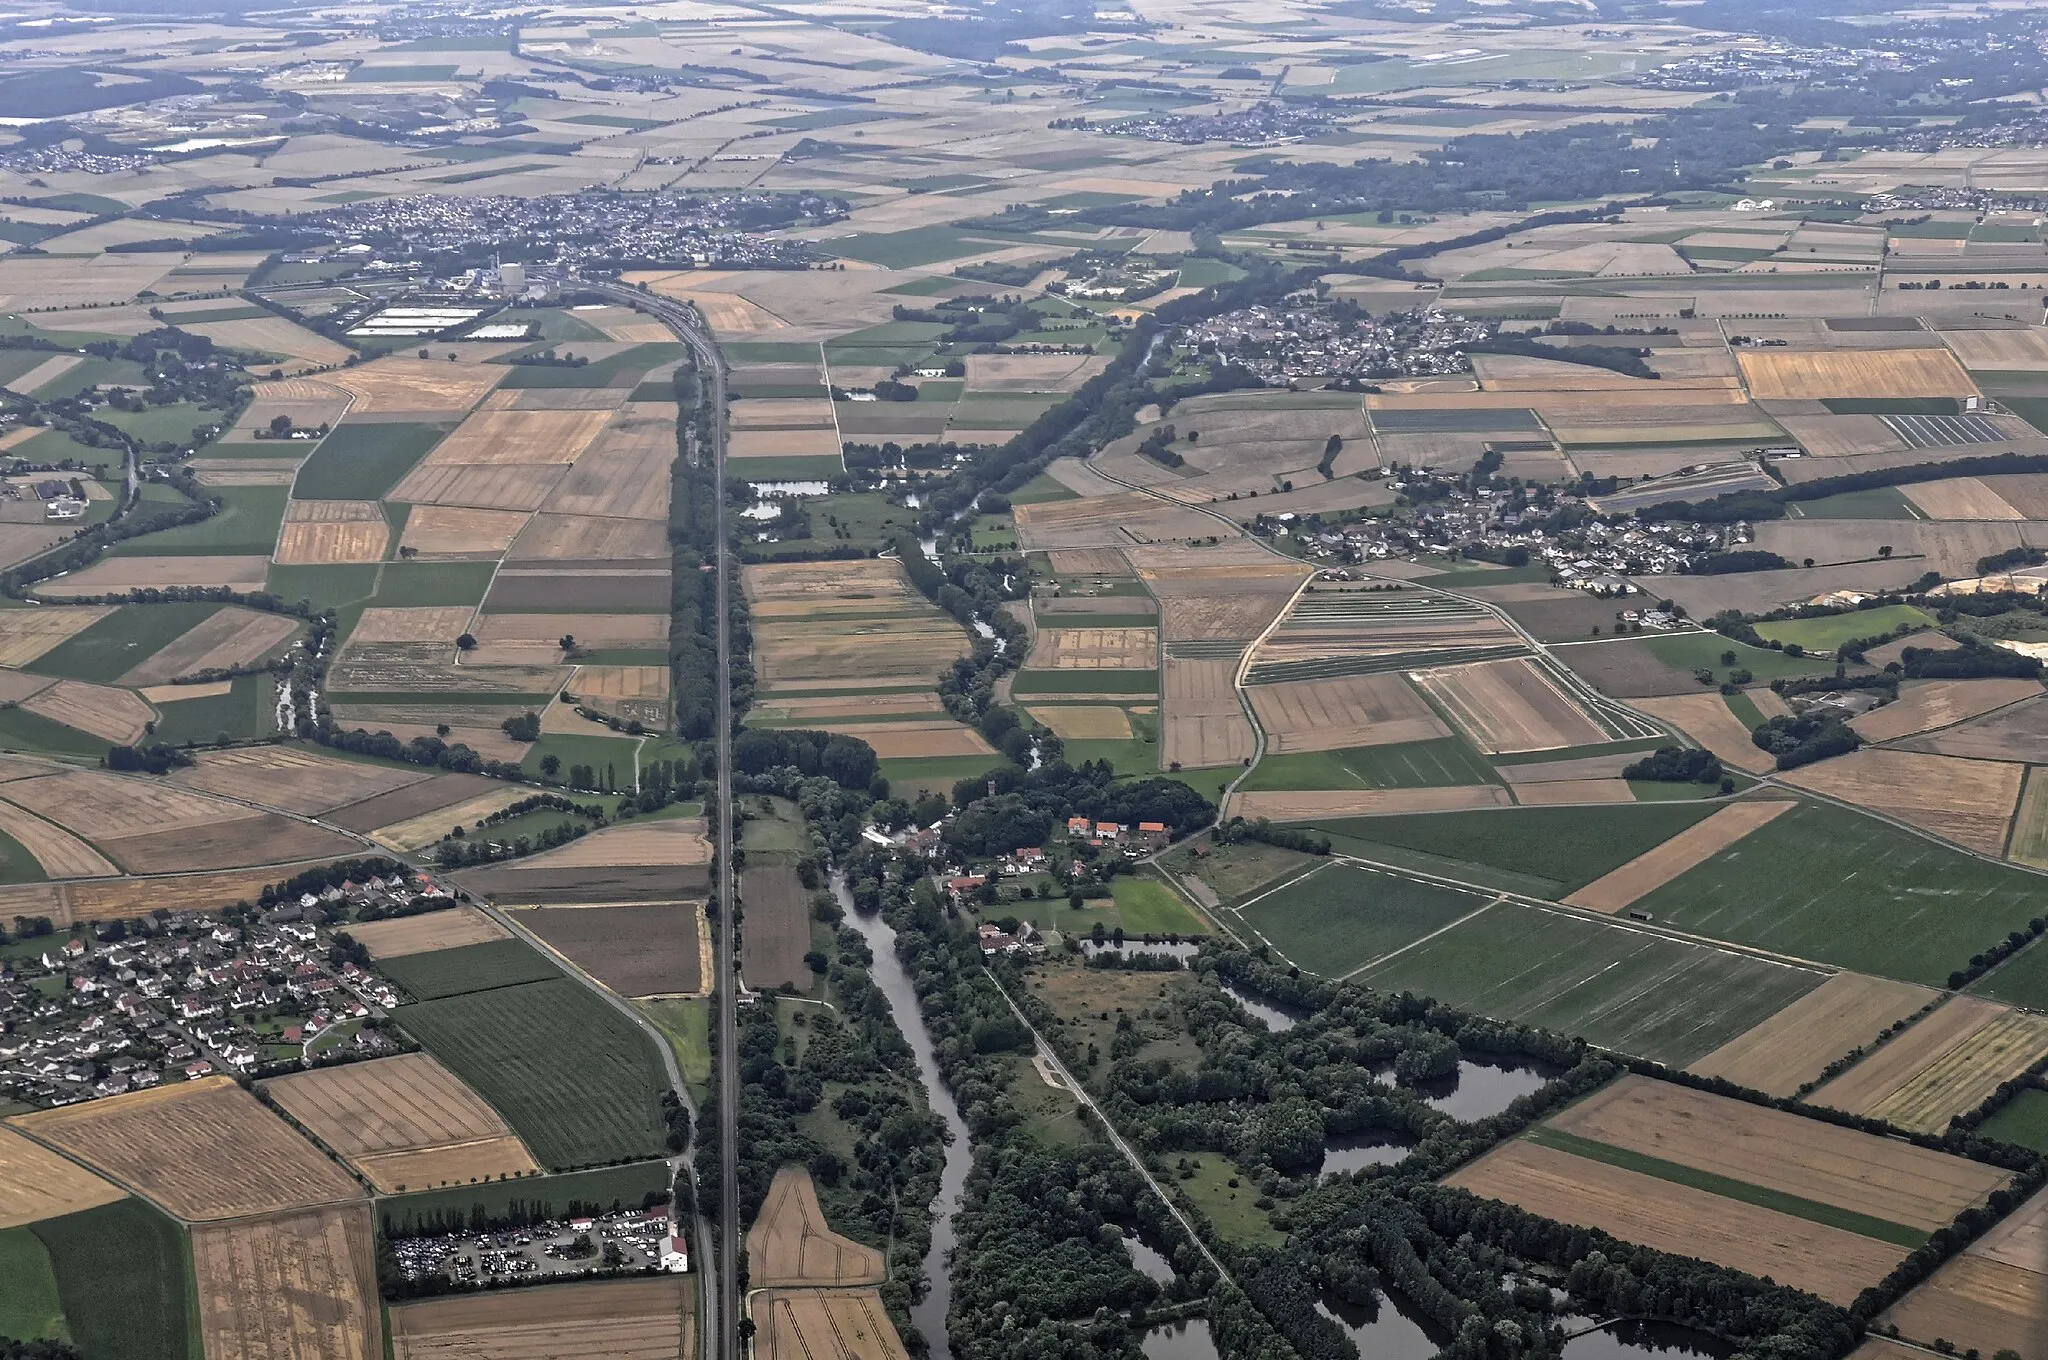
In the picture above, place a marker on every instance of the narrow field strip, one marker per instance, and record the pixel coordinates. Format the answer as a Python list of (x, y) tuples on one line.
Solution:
[(1848, 1220)]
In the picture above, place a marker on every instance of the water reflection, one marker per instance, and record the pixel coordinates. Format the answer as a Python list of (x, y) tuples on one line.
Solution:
[(894, 979), (1393, 1331), (1152, 1262), (1356, 1151), (1483, 1087), (1173, 949), (1637, 1340), (790, 488), (1188, 1339), (1274, 1017)]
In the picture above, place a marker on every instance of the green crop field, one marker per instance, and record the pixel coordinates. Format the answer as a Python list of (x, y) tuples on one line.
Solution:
[(441, 973), (363, 462), (574, 1078), (124, 1275), (17, 865), (1822, 882), (605, 755), (130, 635), (1556, 849), (1086, 682), (168, 424), (1826, 634), (1339, 916), (21, 730), (247, 710), (908, 777), (30, 1308), (245, 526), (596, 373), (1695, 651), (413, 584), (1148, 907), (2023, 1122), (2022, 979), (1405, 765), (325, 587), (1656, 997), (627, 1187)]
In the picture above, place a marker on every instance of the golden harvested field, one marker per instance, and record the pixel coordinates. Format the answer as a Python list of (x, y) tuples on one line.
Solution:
[(804, 589), (1959, 498), (1940, 703), (1551, 792), (786, 443), (97, 805), (902, 649), (621, 682), (405, 384), (1510, 706), (406, 1123), (1204, 725), (1947, 1063), (26, 634), (809, 710), (781, 413), (1827, 436), (1994, 1296), (1308, 805), (171, 694), (274, 335), (595, 1320), (418, 832), (592, 630), (320, 543), (1792, 375), (519, 437), (302, 1285), (670, 841), (917, 738), (1031, 372), (447, 929), (113, 575), (504, 486), (790, 1243), (1084, 722), (1334, 715), (434, 531), (229, 638), (1091, 649), (1691, 847), (824, 1324), (204, 1150), (1099, 521), (1655, 1213), (590, 538), (1091, 562), (1795, 1046), (428, 623), (1768, 1148), (107, 899), (119, 715), (624, 471), (290, 778), (2022, 350), (1706, 719), (61, 854), (1967, 801), (18, 685), (2029, 843), (36, 1183)]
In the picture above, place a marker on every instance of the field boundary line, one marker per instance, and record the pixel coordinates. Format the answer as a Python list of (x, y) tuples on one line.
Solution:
[(1413, 944)]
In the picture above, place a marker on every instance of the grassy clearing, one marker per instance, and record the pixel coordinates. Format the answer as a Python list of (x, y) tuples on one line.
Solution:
[(21, 730), (628, 1186), (902, 249), (1848, 1220), (2023, 1122), (1438, 763), (1825, 635), (794, 468), (908, 778), (606, 756), (1646, 994), (363, 462), (1822, 882), (170, 424), (597, 373), (441, 973), (1878, 502), (572, 1076), (414, 584), (1149, 907), (324, 587), (1041, 490), (687, 1026), (125, 638), (1340, 917), (246, 526), (1703, 651), (1239, 870), (1232, 1210), (1562, 848), (124, 1274)]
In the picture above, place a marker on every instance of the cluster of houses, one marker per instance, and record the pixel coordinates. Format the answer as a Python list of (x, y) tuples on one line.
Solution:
[(180, 995), (62, 498), (1308, 339)]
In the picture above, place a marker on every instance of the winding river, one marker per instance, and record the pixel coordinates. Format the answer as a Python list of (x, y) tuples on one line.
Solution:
[(894, 980)]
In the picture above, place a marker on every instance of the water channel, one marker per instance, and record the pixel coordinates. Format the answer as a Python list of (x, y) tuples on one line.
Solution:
[(894, 979)]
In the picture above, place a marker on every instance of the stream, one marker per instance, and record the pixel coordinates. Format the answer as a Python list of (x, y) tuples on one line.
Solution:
[(894, 979)]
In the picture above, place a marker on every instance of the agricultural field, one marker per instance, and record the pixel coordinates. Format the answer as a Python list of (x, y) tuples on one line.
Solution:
[(404, 1123), (306, 1279), (1796, 1045), (1947, 1064), (1823, 1209), (595, 1320), (204, 1150), (818, 1293), (1992, 1297)]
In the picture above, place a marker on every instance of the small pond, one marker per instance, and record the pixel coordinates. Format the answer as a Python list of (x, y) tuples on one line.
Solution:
[(1356, 1151), (1395, 1331), (1148, 1259), (1642, 1340), (1188, 1339)]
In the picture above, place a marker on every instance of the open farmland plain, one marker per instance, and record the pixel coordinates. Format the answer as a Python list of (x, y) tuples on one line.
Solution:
[(609, 1320), (1992, 1297), (306, 1281)]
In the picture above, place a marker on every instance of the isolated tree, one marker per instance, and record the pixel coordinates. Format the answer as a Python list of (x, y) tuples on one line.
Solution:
[(466, 643), (1885, 551), (568, 642), (280, 426)]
